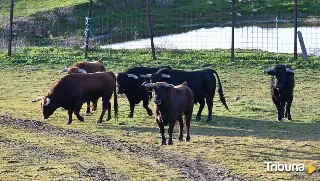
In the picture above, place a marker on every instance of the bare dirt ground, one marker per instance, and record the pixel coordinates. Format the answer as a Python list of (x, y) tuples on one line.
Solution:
[(194, 169)]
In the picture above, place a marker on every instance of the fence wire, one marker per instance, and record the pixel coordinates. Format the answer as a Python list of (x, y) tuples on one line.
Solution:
[(173, 28)]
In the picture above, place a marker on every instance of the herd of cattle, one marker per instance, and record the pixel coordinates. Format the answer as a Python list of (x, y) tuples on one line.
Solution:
[(175, 92)]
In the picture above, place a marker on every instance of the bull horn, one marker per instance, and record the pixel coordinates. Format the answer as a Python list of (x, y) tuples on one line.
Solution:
[(290, 70), (268, 70), (65, 70), (133, 76), (146, 76), (169, 85), (147, 84), (82, 71), (47, 102), (38, 99), (165, 76)]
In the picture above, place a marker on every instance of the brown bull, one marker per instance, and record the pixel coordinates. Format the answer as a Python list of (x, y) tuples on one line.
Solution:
[(72, 90), (87, 67), (169, 103)]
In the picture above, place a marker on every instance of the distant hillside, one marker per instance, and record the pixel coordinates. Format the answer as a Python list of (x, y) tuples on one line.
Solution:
[(55, 22)]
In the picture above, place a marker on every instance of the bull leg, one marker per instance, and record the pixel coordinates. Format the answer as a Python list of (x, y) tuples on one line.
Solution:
[(70, 111), (170, 131), (277, 103), (94, 106), (109, 110), (88, 107), (145, 105), (132, 105), (209, 102), (188, 118), (288, 111), (161, 127), (282, 106), (104, 109), (181, 128), (201, 102), (77, 112), (105, 105)]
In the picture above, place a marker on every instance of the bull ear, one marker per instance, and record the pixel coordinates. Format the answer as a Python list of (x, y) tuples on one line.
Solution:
[(289, 70), (268, 71)]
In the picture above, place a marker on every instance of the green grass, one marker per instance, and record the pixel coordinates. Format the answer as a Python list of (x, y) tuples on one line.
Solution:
[(242, 139), (119, 60), (30, 7), (125, 21), (63, 157)]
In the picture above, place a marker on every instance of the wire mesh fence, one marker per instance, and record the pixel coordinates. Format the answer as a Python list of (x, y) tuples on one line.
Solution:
[(173, 28)]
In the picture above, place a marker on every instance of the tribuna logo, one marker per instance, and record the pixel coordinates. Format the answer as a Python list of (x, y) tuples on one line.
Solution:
[(285, 167)]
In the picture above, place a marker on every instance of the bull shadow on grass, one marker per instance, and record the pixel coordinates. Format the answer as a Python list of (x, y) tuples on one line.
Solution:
[(241, 127)]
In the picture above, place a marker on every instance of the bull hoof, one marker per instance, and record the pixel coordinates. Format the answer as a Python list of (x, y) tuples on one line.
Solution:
[(289, 118), (279, 120), (209, 119), (150, 113), (99, 121), (108, 119), (188, 139), (198, 118), (130, 116), (88, 112), (81, 119), (170, 143), (163, 143), (180, 139), (69, 122)]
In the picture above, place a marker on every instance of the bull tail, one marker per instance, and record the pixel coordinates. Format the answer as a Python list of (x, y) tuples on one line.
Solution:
[(115, 101), (115, 98), (220, 91)]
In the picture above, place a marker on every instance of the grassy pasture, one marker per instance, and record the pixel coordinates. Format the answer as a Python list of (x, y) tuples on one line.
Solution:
[(241, 140)]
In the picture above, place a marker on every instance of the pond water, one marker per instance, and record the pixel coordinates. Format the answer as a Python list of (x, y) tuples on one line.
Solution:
[(278, 40)]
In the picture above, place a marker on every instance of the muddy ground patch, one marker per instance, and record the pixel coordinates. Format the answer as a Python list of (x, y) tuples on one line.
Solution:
[(194, 169)]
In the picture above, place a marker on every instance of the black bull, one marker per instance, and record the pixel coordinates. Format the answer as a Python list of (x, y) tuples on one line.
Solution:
[(281, 89), (201, 82), (130, 84)]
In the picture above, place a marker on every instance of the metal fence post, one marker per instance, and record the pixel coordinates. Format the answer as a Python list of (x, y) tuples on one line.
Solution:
[(10, 28), (295, 28), (87, 31), (232, 31), (150, 31)]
